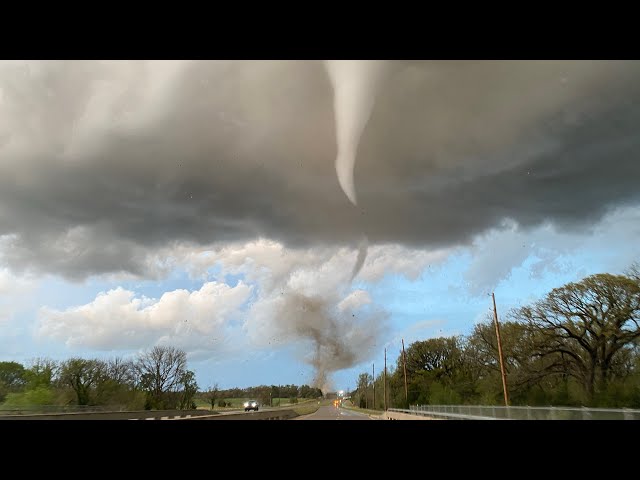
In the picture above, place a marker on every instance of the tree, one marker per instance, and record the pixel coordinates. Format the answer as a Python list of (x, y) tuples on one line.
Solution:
[(121, 371), (525, 370), (396, 393), (433, 365), (117, 387), (211, 395), (41, 373), (305, 391), (189, 388), (441, 356), (261, 393), (364, 380), (585, 329), (161, 374), (12, 374), (634, 272), (12, 378), (38, 380), (82, 376)]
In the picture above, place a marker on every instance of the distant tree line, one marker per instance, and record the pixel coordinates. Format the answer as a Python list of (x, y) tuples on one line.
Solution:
[(266, 395), (578, 346), (157, 379)]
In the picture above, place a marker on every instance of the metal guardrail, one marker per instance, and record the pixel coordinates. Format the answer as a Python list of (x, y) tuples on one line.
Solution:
[(441, 415), (87, 414), (50, 409), (103, 415), (488, 412)]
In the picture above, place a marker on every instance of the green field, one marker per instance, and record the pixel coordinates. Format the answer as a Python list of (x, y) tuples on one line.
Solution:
[(237, 403)]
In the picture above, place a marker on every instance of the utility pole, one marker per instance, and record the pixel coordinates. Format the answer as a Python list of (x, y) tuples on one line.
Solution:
[(366, 398), (404, 365), (373, 367), (385, 380), (502, 372)]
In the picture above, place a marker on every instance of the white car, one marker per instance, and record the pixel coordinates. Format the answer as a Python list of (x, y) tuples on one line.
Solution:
[(251, 405)]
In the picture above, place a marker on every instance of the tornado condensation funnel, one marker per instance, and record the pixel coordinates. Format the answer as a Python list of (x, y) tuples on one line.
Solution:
[(355, 85)]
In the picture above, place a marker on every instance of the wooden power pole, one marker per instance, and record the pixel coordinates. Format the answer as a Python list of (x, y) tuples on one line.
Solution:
[(502, 372), (373, 371)]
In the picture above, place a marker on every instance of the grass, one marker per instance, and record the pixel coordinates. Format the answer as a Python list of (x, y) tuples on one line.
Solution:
[(368, 411), (235, 404), (303, 404), (202, 404), (365, 410), (310, 406)]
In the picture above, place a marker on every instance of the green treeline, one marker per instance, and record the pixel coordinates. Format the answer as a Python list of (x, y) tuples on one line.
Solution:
[(265, 395), (158, 380), (578, 346)]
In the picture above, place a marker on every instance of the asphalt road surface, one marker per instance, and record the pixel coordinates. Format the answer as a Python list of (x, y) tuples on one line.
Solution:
[(334, 413)]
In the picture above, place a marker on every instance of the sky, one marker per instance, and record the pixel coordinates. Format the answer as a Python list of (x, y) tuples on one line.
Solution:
[(286, 222)]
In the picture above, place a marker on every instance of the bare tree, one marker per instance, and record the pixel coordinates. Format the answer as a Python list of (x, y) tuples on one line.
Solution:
[(117, 387), (634, 271), (121, 371), (160, 372)]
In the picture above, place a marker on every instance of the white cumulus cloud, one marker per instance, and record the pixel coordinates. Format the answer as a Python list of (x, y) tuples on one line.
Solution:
[(118, 319)]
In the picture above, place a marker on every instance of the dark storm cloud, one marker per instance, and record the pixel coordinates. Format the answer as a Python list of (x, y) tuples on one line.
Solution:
[(99, 161)]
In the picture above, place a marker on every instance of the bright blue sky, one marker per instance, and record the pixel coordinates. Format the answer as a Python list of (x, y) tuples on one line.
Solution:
[(220, 206)]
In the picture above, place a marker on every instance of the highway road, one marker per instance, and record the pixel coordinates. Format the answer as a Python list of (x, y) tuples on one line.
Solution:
[(333, 413)]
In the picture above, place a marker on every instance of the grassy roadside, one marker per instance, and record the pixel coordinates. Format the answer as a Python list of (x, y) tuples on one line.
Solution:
[(303, 407), (367, 411), (307, 408)]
